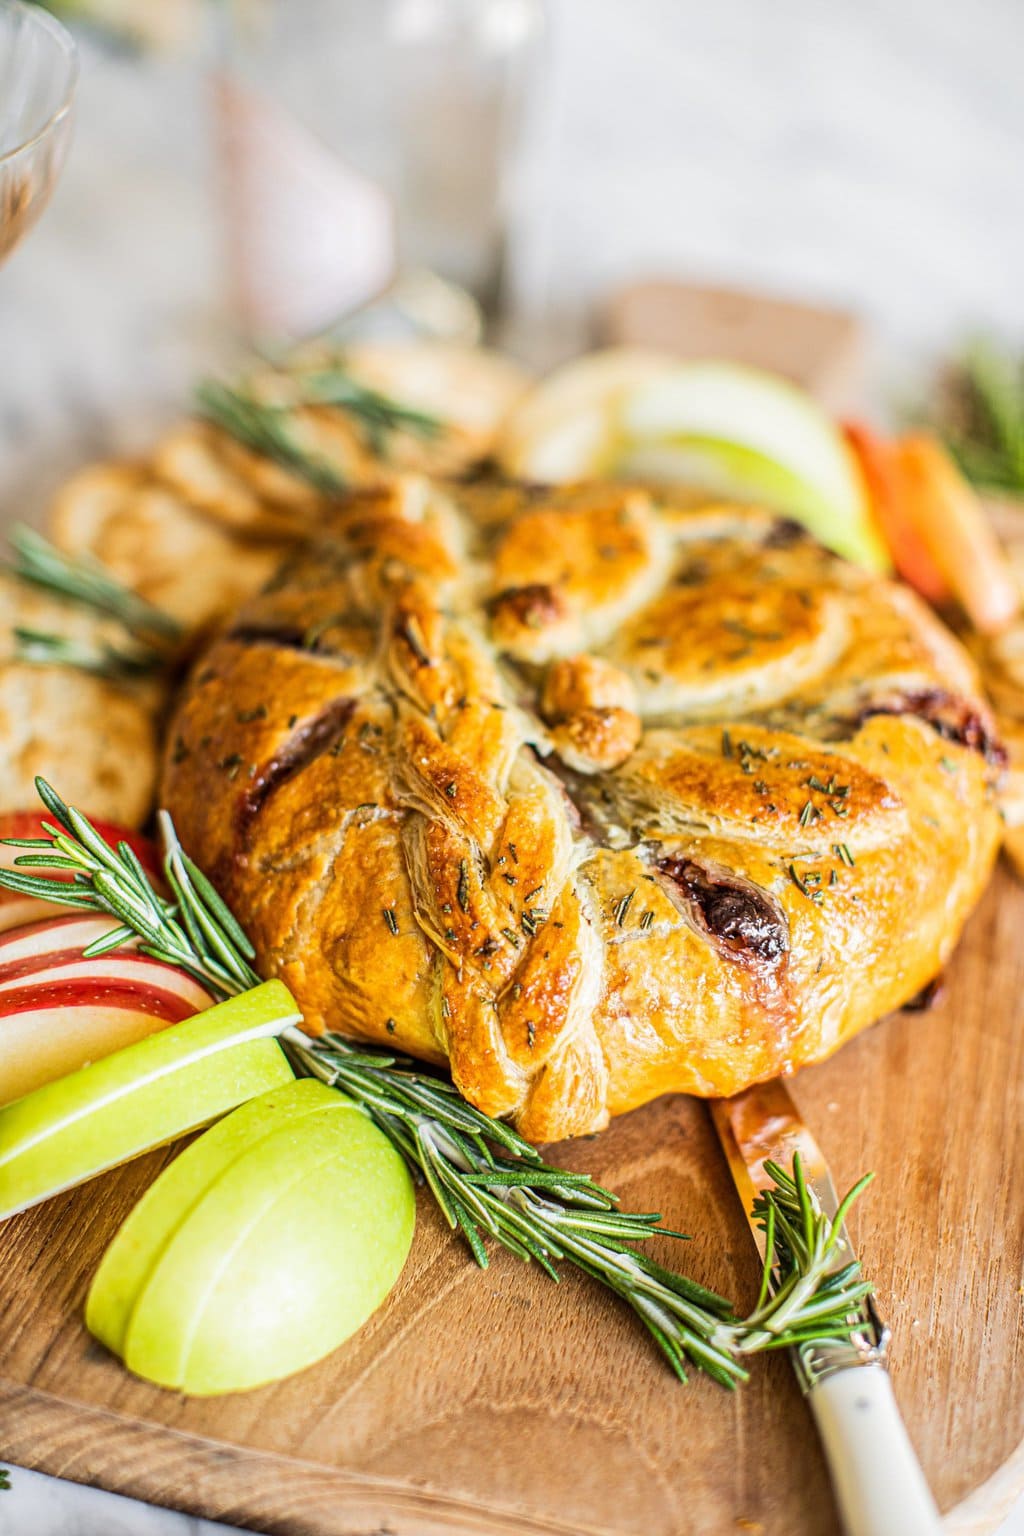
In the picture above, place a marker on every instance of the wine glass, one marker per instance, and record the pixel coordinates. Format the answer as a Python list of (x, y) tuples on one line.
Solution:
[(38, 70)]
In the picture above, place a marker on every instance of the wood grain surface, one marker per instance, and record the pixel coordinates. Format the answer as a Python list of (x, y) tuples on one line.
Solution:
[(498, 1402)]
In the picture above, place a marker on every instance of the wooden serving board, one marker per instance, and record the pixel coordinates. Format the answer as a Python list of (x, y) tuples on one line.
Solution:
[(498, 1402)]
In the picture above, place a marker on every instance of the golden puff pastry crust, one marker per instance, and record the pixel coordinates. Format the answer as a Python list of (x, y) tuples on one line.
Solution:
[(589, 792)]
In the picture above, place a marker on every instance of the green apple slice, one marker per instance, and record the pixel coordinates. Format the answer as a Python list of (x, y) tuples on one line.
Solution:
[(566, 427), (145, 1233), (248, 1265), (143, 1096), (747, 433), (740, 474)]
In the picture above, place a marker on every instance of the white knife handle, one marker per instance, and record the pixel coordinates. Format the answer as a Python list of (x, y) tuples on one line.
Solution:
[(878, 1482)]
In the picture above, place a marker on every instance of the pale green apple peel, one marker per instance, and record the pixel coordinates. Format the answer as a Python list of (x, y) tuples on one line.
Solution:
[(143, 1237), (246, 1266)]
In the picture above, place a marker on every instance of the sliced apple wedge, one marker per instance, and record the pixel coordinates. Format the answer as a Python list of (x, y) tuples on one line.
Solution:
[(60, 1010), (144, 1235), (262, 1248), (567, 427), (16, 909), (751, 434), (143, 1096), (719, 427), (33, 944)]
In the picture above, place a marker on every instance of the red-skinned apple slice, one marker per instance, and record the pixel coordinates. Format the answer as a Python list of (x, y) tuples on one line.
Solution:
[(16, 909), (35, 942), (59, 1010)]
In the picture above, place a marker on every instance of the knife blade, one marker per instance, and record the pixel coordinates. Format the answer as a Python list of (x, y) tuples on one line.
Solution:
[(879, 1486)]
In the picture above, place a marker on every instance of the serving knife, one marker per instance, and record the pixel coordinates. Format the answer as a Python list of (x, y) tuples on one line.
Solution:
[(879, 1486)]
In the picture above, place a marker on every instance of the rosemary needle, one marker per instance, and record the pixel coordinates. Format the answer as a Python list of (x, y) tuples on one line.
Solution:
[(488, 1182), (266, 429), (980, 414), (150, 633), (378, 414), (40, 648), (269, 428), (82, 579)]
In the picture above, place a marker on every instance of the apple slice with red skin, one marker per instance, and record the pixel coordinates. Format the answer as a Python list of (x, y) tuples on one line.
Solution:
[(60, 1010), (33, 943), (16, 909)]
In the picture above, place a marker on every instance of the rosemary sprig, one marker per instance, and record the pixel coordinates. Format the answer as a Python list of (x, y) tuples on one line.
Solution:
[(804, 1242), (84, 580), (195, 930), (487, 1181), (150, 633), (40, 648), (981, 416), (268, 428), (378, 414)]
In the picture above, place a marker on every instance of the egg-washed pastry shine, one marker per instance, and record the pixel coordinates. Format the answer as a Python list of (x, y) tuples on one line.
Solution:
[(591, 793)]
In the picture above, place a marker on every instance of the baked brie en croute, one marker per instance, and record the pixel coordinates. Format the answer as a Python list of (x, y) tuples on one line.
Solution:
[(589, 792)]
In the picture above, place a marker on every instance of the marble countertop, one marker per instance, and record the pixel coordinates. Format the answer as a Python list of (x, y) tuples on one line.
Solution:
[(868, 156), (45, 1506)]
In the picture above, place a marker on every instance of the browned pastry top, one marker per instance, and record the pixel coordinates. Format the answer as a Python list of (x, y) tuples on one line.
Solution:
[(589, 792)]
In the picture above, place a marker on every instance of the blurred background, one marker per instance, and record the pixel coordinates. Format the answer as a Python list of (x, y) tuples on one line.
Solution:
[(861, 156)]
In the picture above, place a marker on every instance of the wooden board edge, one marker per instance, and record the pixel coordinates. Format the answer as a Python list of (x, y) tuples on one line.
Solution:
[(260, 1491), (985, 1508), (224, 1482)]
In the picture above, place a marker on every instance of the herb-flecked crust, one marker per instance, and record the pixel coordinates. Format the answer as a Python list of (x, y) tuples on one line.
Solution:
[(590, 792)]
